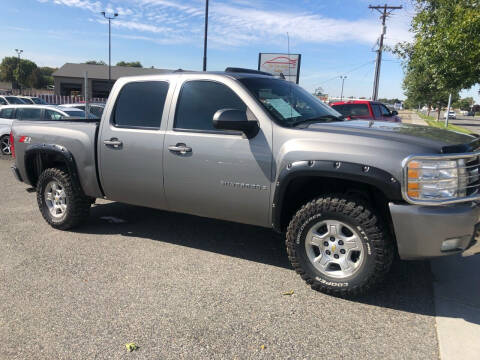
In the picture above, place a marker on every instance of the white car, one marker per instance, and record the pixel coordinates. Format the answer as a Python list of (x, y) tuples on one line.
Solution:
[(451, 115), (9, 113), (11, 100)]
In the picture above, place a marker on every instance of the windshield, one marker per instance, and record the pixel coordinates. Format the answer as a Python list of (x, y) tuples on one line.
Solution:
[(39, 101), (288, 103), (14, 100)]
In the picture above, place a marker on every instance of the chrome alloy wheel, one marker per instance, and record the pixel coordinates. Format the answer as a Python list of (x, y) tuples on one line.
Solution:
[(334, 248), (55, 199), (5, 145)]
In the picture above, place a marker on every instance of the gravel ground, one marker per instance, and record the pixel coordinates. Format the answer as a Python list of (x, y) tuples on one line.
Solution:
[(183, 287)]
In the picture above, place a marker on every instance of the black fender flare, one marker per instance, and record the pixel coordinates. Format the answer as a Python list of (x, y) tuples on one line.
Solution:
[(360, 173), (62, 152)]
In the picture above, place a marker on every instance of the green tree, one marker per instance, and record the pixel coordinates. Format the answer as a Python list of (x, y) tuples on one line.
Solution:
[(35, 79), (47, 74), (95, 62), (445, 54), (446, 38), (7, 68), (463, 104), (131, 64), (24, 71)]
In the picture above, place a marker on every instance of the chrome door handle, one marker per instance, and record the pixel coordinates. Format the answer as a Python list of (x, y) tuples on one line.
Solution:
[(180, 148), (113, 142)]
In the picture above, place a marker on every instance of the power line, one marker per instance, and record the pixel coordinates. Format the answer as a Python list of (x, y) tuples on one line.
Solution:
[(349, 71), (385, 12)]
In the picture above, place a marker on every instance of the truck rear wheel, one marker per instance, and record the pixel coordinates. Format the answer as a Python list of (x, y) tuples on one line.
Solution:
[(338, 246), (62, 204)]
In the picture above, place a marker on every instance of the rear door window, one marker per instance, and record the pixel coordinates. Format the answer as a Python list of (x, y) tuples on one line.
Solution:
[(3, 101), (29, 114), (140, 104), (352, 110)]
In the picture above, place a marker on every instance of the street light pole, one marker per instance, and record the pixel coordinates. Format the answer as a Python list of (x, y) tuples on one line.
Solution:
[(205, 38), (19, 52), (109, 18), (343, 81)]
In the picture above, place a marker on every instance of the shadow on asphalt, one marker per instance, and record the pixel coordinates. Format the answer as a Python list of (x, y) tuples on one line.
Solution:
[(407, 288)]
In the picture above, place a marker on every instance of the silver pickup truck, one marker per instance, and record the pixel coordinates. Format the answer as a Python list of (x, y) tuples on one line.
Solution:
[(253, 149)]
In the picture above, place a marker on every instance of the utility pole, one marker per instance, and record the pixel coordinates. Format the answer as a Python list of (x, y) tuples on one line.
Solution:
[(205, 38), (19, 52), (448, 109), (109, 18), (385, 11), (343, 81)]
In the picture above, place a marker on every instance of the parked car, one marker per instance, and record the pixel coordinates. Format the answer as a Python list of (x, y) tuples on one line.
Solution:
[(33, 100), (9, 113), (254, 149), (10, 100), (365, 109), (95, 109), (451, 115)]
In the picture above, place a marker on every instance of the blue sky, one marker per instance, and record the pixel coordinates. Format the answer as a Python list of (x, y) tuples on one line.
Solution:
[(335, 37)]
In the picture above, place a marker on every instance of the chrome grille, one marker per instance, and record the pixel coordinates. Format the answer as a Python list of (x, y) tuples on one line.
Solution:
[(472, 176)]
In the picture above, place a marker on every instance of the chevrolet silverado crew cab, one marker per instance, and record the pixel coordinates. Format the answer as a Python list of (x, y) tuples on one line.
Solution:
[(254, 149)]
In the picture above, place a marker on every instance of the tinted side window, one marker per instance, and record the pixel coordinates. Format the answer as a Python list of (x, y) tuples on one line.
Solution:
[(352, 109), (7, 113), (199, 100), (29, 114), (376, 111), (140, 104), (3, 101)]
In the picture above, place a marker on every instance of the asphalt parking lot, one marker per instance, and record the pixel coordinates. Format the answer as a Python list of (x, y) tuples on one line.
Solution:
[(185, 287)]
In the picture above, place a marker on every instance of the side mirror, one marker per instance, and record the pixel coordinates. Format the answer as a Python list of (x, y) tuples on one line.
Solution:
[(233, 119), (394, 112)]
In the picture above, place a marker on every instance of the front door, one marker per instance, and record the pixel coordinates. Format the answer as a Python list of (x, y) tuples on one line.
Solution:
[(130, 144), (215, 173)]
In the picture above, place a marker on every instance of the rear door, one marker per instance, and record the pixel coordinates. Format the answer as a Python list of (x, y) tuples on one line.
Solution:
[(130, 143)]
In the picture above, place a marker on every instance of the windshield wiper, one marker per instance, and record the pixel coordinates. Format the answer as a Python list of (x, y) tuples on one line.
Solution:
[(323, 118)]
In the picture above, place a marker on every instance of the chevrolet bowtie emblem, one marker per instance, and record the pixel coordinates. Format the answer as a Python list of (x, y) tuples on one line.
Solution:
[(333, 248)]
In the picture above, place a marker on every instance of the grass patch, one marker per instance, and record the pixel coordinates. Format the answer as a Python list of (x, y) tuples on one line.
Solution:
[(431, 121)]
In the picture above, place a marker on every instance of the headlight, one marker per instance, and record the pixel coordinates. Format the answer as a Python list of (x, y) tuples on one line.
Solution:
[(435, 179)]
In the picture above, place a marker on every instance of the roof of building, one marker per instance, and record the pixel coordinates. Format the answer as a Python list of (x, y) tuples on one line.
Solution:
[(101, 71)]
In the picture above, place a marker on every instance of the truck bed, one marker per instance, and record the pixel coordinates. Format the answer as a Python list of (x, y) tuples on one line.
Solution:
[(79, 136)]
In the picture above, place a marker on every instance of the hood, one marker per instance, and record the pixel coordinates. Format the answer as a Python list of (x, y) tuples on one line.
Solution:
[(444, 141)]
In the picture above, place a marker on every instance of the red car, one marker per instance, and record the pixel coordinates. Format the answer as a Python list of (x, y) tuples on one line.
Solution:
[(365, 109)]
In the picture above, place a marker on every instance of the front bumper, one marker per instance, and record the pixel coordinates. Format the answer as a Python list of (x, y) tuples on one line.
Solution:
[(421, 230)]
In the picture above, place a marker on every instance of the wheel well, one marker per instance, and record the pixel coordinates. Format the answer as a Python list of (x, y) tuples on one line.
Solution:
[(301, 190), (37, 162)]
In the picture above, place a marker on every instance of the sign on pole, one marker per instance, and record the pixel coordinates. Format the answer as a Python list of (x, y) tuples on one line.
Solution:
[(277, 64)]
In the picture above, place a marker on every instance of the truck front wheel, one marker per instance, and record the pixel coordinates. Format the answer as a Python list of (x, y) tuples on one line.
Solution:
[(338, 246), (62, 204)]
